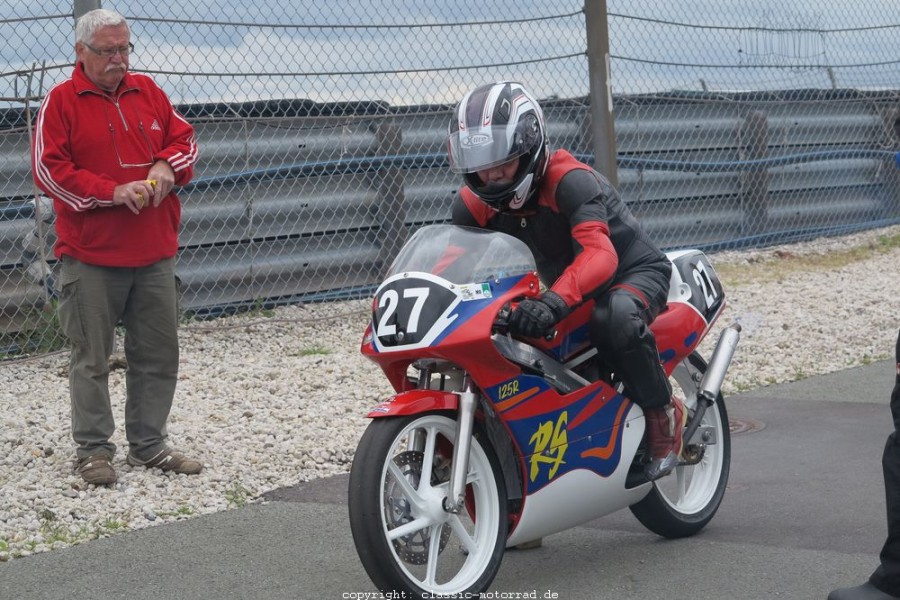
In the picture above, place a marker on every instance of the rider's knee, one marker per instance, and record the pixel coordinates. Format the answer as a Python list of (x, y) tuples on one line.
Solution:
[(617, 324)]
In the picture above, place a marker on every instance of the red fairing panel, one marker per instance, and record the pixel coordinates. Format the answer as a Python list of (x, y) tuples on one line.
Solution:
[(678, 332), (415, 402)]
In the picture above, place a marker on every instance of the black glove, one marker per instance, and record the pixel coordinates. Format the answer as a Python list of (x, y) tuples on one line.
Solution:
[(536, 317)]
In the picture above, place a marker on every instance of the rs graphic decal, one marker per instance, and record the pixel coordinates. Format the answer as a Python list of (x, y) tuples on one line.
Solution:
[(549, 444), (558, 434)]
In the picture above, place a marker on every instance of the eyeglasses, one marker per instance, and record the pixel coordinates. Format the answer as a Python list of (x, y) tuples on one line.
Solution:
[(110, 52), (145, 158), (145, 162)]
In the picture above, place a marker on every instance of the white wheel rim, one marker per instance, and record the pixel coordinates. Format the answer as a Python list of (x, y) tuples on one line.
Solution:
[(470, 545), (689, 489)]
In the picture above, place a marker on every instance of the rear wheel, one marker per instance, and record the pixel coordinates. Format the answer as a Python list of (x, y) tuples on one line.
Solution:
[(405, 539), (682, 503)]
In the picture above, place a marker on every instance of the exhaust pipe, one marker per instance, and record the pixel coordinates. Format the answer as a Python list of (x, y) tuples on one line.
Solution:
[(718, 365), (712, 381)]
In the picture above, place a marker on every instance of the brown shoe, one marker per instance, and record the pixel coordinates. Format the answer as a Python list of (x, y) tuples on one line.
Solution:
[(96, 469), (665, 440), (168, 460)]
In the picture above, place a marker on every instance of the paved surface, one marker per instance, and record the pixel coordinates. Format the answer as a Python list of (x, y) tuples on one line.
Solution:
[(804, 513)]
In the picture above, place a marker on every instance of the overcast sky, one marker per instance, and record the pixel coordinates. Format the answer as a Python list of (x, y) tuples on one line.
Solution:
[(743, 36)]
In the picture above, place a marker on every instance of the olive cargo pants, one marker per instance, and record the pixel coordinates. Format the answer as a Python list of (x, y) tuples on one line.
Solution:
[(93, 301)]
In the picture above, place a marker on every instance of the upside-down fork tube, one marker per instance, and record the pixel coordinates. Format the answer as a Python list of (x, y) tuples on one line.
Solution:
[(465, 421), (711, 384)]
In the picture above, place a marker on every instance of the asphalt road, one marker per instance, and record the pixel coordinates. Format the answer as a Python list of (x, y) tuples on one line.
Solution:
[(803, 514)]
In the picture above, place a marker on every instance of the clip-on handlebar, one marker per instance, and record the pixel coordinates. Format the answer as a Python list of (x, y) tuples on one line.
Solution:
[(501, 323)]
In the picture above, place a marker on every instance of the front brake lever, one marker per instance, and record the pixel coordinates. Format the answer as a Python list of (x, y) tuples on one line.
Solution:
[(501, 322)]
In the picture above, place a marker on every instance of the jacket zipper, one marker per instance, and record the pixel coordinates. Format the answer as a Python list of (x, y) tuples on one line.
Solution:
[(121, 116)]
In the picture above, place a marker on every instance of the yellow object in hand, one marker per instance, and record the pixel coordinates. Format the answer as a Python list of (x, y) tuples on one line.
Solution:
[(140, 196)]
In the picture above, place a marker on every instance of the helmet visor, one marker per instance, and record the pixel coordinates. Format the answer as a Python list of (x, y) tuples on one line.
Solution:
[(484, 148)]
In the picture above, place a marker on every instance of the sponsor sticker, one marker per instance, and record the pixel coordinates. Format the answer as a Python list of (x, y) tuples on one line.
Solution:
[(475, 291)]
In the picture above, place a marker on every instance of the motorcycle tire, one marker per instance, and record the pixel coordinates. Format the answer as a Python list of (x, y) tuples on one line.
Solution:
[(683, 502), (405, 539)]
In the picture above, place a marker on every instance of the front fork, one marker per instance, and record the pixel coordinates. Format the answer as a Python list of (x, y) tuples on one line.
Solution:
[(465, 421)]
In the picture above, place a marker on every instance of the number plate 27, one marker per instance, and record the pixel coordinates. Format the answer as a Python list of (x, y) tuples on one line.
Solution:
[(411, 310)]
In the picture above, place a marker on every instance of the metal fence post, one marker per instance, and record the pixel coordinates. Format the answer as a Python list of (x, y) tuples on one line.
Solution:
[(602, 119), (754, 183), (79, 7), (891, 183), (391, 195)]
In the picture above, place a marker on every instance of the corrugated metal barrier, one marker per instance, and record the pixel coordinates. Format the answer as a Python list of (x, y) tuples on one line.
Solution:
[(298, 201)]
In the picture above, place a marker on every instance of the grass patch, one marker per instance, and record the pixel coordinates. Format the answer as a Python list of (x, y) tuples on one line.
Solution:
[(782, 264), (259, 309), (237, 495), (112, 525), (314, 351), (56, 532), (52, 530), (181, 511)]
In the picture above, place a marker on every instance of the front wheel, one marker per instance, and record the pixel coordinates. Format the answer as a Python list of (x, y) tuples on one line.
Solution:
[(405, 539), (682, 503)]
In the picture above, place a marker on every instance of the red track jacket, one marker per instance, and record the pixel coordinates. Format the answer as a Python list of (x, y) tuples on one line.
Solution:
[(86, 143)]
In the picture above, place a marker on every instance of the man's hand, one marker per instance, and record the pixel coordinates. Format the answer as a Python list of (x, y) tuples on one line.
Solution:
[(135, 195), (536, 317), (162, 173)]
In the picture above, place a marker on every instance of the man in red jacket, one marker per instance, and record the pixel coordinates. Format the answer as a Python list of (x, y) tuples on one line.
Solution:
[(109, 149), (586, 243)]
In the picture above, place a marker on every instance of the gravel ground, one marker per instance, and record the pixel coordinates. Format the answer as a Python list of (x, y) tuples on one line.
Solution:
[(269, 400)]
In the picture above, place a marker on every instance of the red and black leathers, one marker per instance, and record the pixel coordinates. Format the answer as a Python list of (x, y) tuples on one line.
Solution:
[(86, 143), (588, 245)]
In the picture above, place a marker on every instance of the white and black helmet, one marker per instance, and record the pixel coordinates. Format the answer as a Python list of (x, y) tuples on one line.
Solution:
[(494, 124)]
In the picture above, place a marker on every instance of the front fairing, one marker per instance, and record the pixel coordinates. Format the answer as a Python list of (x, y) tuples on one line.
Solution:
[(463, 255), (441, 297)]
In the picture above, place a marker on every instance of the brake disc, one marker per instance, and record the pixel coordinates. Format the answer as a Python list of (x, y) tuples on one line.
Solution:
[(412, 548)]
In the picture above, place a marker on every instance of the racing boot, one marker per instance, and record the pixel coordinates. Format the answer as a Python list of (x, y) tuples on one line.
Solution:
[(665, 439)]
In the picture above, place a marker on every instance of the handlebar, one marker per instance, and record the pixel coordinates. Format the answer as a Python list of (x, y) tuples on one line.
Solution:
[(501, 324)]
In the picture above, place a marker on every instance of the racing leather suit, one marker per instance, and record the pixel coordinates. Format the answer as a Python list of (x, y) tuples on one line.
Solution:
[(588, 246)]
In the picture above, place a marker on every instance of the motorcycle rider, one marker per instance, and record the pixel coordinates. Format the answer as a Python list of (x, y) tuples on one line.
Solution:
[(585, 241)]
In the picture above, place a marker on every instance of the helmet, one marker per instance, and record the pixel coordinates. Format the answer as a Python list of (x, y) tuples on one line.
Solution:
[(492, 125)]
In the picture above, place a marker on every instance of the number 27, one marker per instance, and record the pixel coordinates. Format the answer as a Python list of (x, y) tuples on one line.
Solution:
[(390, 301)]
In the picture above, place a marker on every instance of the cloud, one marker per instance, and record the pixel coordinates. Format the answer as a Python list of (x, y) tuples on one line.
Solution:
[(411, 65)]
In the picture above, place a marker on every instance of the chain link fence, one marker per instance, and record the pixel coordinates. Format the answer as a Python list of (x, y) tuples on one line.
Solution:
[(321, 128)]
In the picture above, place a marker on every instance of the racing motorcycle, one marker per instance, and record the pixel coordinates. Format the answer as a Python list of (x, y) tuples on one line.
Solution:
[(492, 441)]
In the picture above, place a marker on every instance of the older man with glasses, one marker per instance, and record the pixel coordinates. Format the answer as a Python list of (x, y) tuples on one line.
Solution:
[(109, 148)]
